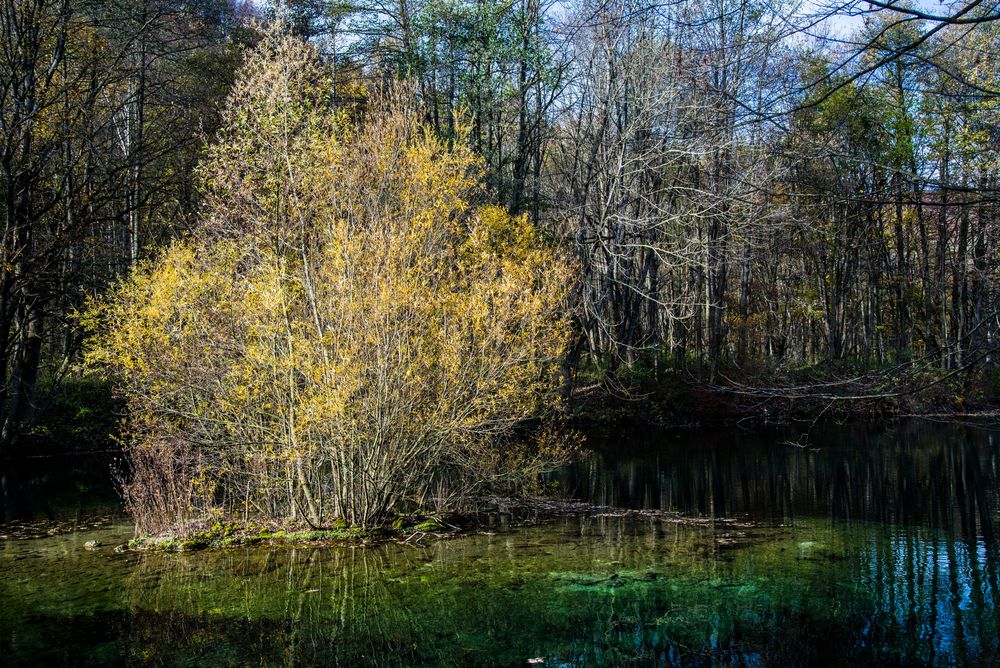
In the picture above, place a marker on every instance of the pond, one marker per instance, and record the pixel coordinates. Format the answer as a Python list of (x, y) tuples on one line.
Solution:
[(870, 545)]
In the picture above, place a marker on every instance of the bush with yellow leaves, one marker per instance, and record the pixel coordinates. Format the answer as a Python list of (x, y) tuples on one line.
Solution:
[(347, 334)]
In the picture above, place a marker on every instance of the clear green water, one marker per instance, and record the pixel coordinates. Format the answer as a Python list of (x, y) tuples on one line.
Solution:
[(877, 547)]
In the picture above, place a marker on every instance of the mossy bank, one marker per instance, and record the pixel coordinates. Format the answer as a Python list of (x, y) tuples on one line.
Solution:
[(406, 528)]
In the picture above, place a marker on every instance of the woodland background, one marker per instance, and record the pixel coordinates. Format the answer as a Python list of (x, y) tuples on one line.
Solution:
[(767, 198)]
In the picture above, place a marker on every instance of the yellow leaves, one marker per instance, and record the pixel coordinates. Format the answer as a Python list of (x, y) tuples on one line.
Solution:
[(343, 294)]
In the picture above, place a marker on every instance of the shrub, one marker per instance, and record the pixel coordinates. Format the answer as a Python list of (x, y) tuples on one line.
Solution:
[(346, 332)]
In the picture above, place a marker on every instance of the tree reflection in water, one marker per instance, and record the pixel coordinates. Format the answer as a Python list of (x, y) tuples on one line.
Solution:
[(916, 474)]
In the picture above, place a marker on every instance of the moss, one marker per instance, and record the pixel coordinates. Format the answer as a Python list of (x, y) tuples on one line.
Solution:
[(194, 544), (237, 537), (429, 525), (231, 534)]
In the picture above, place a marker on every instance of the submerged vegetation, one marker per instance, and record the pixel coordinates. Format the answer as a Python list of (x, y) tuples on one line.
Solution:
[(346, 334)]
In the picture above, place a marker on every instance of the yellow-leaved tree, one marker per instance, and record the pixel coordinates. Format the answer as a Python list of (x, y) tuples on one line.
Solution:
[(346, 334)]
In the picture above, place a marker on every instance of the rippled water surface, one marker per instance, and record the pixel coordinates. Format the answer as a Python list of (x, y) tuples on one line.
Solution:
[(874, 546)]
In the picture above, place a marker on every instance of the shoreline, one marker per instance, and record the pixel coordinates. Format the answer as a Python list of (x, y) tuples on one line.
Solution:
[(693, 406), (418, 529)]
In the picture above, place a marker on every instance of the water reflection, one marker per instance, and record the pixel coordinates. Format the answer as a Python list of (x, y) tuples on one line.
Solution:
[(918, 473), (56, 489), (884, 553), (937, 596)]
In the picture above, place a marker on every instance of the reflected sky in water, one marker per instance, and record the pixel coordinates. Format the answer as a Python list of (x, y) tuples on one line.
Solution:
[(876, 546)]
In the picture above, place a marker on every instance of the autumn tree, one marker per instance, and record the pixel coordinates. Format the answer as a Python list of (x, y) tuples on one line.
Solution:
[(348, 331), (102, 111)]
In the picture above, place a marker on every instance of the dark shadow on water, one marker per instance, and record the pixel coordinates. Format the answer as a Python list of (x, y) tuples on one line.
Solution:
[(917, 473), (58, 488)]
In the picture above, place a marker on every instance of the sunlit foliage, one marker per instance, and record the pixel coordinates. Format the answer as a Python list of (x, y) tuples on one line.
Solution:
[(347, 333)]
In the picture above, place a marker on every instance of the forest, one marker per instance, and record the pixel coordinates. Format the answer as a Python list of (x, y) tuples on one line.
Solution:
[(500, 332), (746, 189)]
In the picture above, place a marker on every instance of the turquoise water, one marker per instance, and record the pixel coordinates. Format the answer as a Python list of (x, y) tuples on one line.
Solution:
[(873, 546)]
